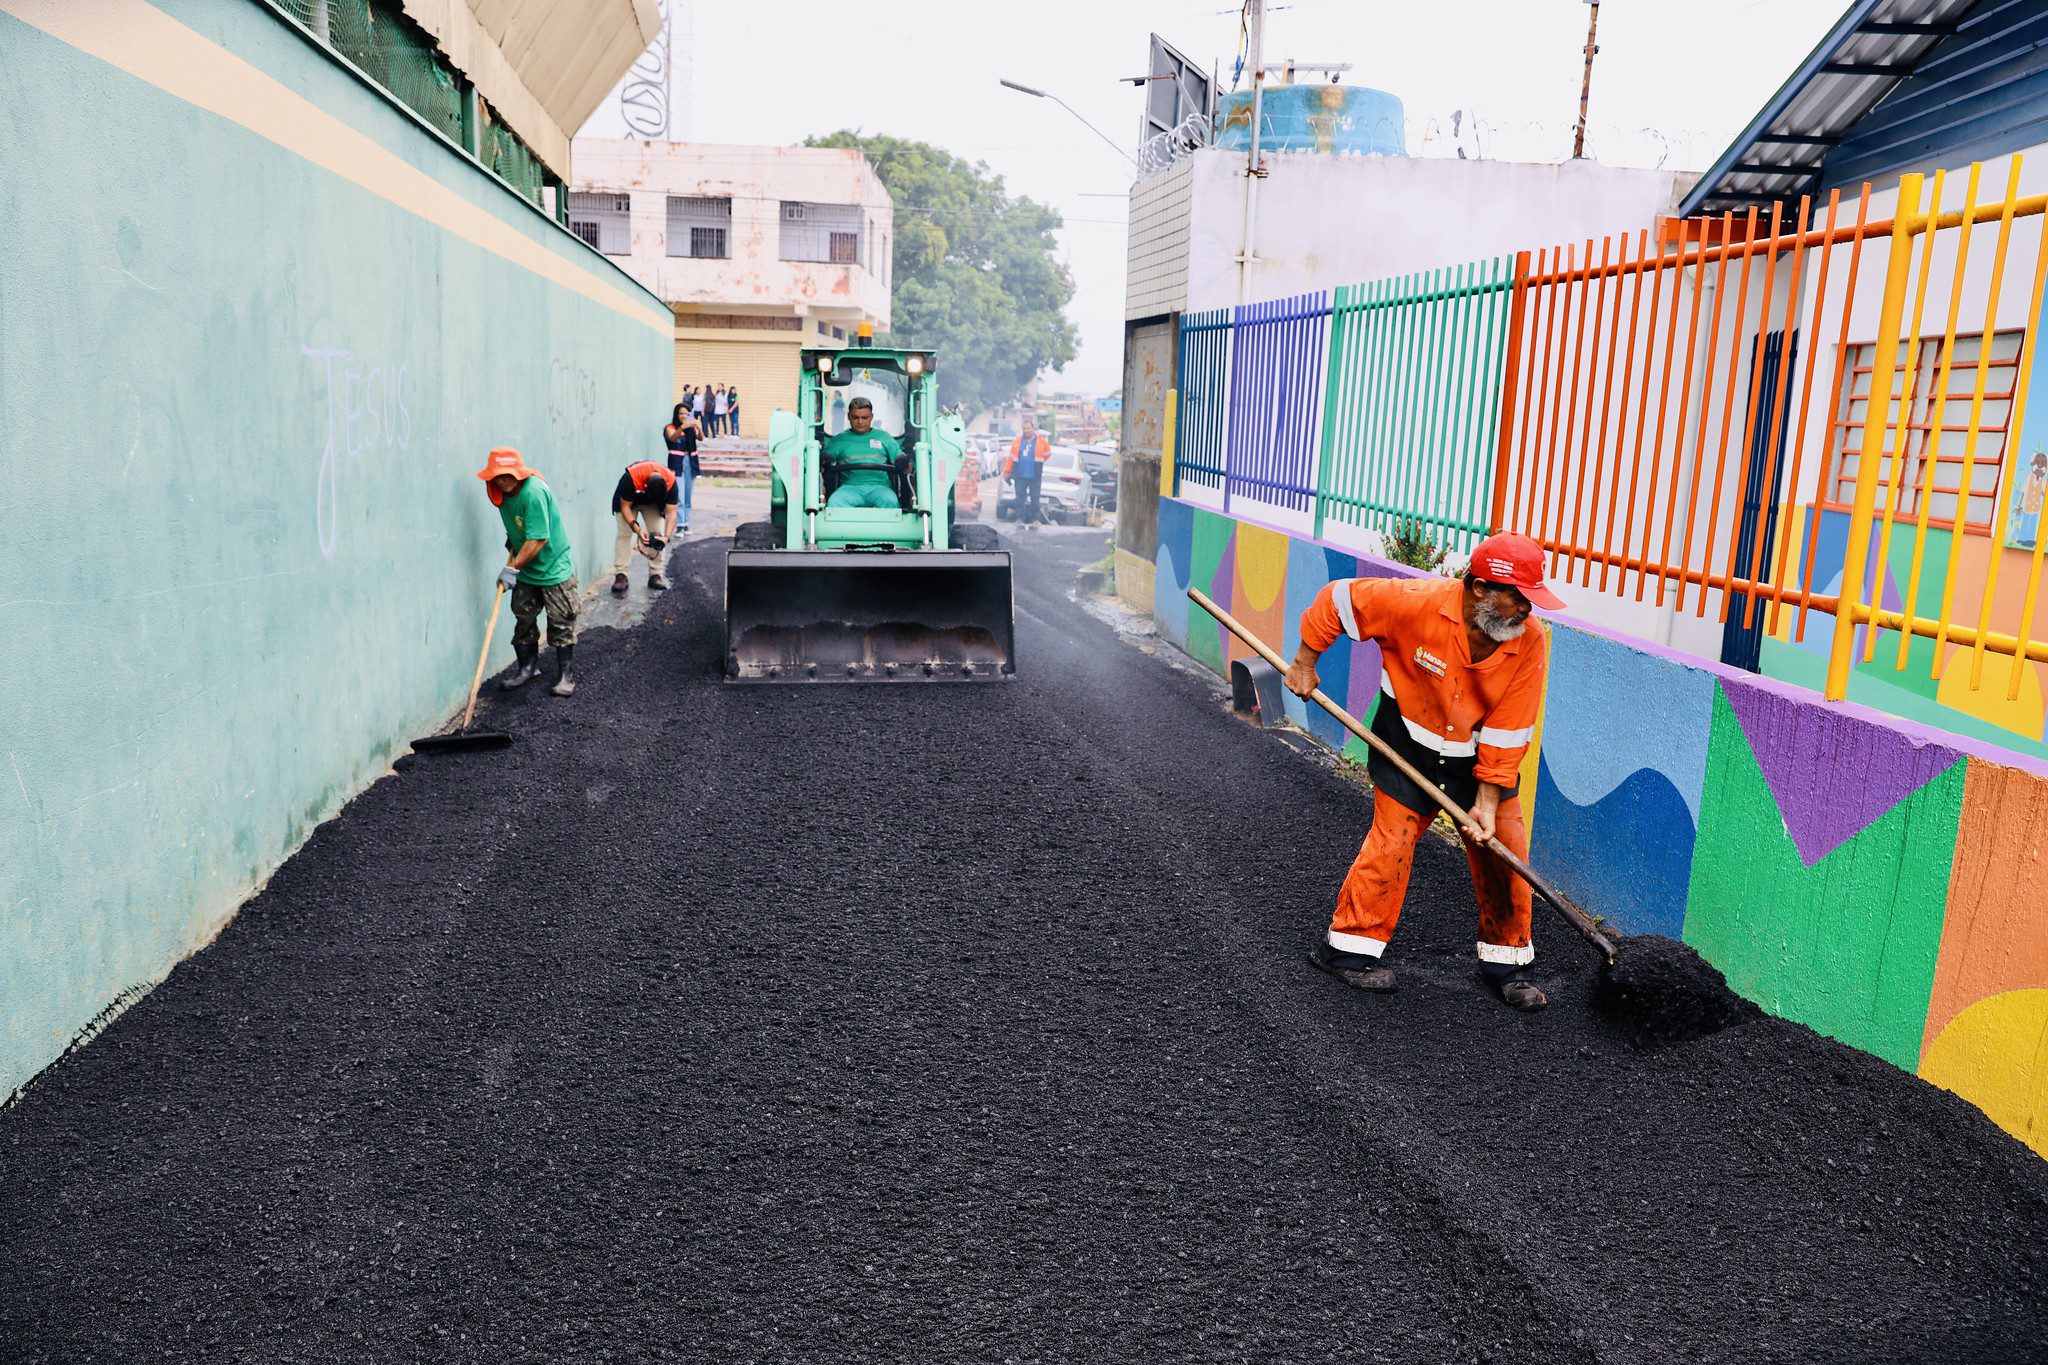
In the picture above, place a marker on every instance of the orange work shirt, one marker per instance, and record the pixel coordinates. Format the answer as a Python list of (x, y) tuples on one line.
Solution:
[(1042, 448), (1448, 706)]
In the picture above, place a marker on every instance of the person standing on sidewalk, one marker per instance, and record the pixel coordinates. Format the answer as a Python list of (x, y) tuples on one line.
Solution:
[(732, 411), (539, 569), (718, 411), (1461, 682), (645, 501), (1025, 467), (681, 435)]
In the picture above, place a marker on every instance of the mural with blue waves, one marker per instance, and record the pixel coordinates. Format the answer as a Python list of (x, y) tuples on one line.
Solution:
[(1618, 783)]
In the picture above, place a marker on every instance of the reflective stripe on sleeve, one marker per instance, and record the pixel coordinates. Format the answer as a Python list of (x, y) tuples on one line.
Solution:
[(1505, 739), (1507, 955), (1357, 943), (1340, 596)]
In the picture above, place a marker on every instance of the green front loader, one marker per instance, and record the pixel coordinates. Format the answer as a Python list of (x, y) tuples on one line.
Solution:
[(900, 593)]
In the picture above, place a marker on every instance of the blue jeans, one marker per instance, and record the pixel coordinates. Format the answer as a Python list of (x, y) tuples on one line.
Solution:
[(681, 466), (1028, 487)]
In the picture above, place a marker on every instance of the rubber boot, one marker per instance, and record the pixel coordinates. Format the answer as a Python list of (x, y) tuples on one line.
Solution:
[(565, 682), (525, 668)]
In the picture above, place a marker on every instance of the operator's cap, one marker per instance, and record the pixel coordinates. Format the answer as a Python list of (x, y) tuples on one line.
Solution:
[(505, 460), (1517, 561)]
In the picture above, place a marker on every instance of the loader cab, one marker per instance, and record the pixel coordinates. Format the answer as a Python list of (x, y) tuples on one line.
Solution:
[(902, 388)]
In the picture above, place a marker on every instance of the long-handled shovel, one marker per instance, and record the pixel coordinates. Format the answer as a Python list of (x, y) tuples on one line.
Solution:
[(466, 738), (1576, 917)]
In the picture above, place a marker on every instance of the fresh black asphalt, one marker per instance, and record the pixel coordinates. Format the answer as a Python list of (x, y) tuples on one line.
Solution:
[(948, 1023)]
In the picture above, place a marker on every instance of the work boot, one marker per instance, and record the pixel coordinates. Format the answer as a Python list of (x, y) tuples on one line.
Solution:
[(1359, 973), (655, 582), (618, 585), (525, 668), (565, 683), (1516, 989)]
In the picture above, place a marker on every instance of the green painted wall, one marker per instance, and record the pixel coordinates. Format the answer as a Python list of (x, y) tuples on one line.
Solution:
[(245, 557), (1847, 945)]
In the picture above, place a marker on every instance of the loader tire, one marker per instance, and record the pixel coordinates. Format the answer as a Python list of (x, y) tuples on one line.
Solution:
[(976, 538), (756, 535)]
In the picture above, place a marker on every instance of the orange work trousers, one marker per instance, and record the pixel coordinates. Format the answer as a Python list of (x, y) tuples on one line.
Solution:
[(1369, 904)]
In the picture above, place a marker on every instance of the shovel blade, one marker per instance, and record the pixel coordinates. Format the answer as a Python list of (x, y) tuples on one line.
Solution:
[(461, 742)]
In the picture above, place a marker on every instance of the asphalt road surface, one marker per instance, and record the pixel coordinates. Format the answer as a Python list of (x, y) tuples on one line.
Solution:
[(935, 1023)]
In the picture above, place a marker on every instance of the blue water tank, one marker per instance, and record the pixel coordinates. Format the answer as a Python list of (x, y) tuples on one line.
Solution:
[(1316, 118)]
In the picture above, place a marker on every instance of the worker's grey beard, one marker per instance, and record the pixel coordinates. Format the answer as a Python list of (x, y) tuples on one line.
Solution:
[(1494, 626)]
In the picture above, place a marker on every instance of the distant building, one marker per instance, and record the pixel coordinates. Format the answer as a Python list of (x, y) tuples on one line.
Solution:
[(760, 252)]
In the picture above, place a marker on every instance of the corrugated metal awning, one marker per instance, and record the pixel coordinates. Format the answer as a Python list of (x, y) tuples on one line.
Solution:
[(1783, 152)]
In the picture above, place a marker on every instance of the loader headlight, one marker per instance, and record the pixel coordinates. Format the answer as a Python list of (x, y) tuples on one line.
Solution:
[(917, 364)]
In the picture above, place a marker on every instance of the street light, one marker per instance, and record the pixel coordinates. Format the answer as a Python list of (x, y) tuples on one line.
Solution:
[(1036, 93)]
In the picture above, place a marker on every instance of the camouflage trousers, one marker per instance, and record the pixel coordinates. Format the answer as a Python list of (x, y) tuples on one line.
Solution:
[(558, 600)]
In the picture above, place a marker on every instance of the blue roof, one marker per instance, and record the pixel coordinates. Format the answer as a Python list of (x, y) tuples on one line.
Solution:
[(1896, 85)]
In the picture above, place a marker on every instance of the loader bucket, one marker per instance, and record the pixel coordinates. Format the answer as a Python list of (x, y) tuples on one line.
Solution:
[(799, 616)]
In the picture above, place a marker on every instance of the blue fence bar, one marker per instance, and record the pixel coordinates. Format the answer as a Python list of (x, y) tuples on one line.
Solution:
[(1276, 400), (1202, 438)]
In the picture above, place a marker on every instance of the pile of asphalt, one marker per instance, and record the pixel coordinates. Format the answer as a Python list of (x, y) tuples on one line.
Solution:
[(1658, 992), (928, 1023)]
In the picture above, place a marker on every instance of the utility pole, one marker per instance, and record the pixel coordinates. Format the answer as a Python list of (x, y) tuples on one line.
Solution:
[(1586, 84), (1252, 169)]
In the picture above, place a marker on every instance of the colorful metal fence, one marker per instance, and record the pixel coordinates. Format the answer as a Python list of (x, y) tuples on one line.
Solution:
[(1671, 424), (1408, 432), (1276, 400), (1684, 419)]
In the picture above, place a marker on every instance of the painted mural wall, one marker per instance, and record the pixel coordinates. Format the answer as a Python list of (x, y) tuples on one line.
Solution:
[(258, 328), (1882, 882)]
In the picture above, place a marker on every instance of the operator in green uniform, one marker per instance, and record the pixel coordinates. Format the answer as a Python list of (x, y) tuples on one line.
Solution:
[(862, 457)]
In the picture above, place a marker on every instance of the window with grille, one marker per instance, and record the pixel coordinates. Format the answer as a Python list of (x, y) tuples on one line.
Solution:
[(700, 228), (604, 221), (827, 233), (1926, 452)]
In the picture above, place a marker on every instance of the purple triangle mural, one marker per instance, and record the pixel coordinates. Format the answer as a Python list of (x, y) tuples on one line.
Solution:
[(1798, 746)]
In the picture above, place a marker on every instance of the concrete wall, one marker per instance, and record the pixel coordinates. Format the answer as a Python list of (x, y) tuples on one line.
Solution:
[(1876, 880), (258, 328), (757, 180)]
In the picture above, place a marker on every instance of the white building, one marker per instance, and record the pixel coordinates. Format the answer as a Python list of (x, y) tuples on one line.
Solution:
[(760, 251)]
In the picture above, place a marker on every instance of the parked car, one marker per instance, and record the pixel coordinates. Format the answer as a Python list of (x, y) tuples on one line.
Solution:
[(989, 450), (1065, 492), (1100, 461)]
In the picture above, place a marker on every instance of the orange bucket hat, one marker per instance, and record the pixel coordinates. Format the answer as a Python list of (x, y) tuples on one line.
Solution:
[(505, 460)]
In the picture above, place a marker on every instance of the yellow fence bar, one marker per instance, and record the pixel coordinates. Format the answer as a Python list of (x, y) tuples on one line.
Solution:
[(1902, 433), (1940, 415), (2015, 430), (1884, 366)]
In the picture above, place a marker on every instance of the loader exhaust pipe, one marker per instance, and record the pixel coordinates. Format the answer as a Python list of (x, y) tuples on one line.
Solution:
[(802, 616)]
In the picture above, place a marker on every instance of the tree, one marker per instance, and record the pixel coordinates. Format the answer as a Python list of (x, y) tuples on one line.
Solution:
[(977, 275)]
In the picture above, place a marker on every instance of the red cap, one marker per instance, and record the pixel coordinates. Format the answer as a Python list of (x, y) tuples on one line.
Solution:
[(1517, 561)]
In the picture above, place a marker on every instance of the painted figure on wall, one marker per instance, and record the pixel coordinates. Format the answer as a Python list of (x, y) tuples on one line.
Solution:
[(2023, 532)]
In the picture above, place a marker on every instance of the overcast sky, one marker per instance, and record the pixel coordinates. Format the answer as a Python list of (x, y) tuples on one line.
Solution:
[(1672, 83)]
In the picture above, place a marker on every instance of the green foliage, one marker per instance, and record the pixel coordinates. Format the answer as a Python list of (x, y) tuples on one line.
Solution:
[(977, 275), (1410, 543)]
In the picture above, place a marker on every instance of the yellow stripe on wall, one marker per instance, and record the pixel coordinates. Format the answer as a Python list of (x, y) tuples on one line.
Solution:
[(155, 48)]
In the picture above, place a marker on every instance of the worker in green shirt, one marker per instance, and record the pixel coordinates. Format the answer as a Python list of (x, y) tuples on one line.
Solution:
[(862, 457), (538, 569)]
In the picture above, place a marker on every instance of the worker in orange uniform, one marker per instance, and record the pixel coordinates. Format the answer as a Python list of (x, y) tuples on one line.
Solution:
[(1461, 678), (1024, 468)]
